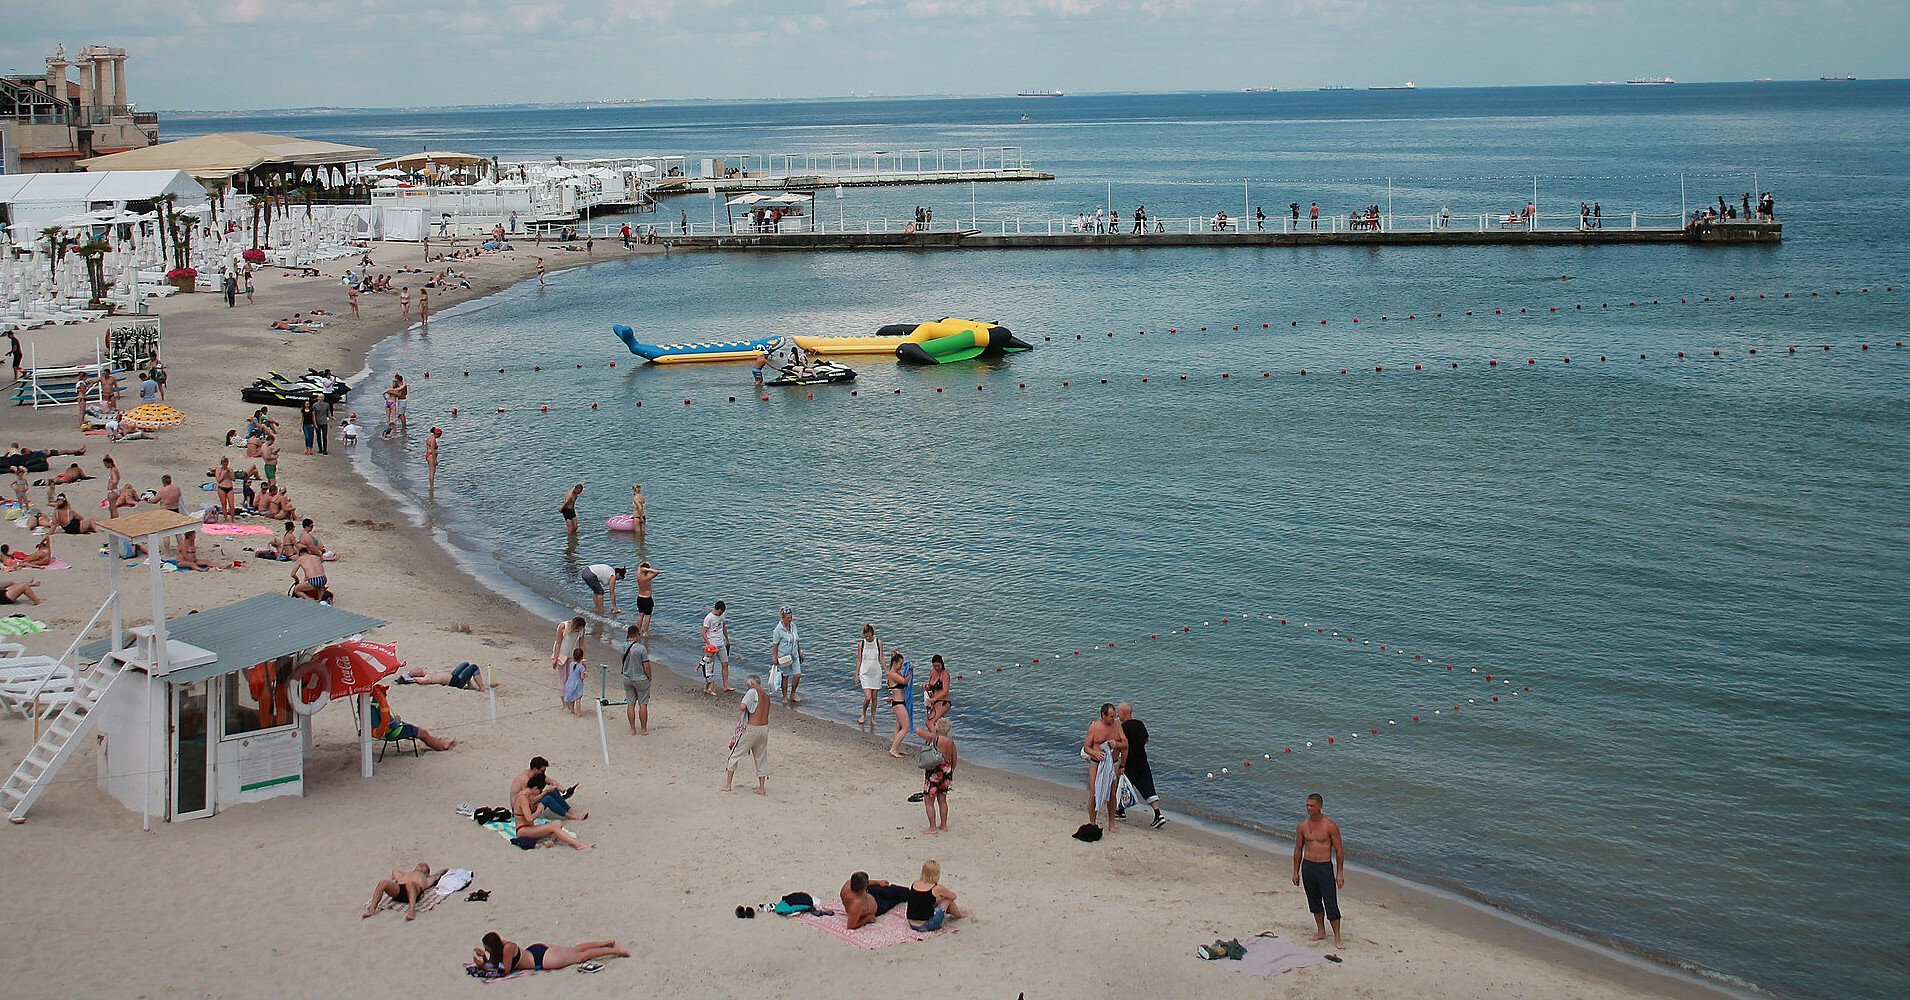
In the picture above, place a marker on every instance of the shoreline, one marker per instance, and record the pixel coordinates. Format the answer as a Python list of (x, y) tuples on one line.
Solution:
[(423, 574), (1209, 830)]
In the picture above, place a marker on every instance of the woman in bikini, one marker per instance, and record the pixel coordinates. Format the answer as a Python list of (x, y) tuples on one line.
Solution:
[(524, 810), (939, 697), (222, 478), (498, 957), (898, 702)]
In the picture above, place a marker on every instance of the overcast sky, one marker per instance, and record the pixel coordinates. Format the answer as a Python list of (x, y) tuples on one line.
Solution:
[(228, 54)]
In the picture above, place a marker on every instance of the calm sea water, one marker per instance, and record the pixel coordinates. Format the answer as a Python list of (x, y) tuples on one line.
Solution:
[(1697, 566)]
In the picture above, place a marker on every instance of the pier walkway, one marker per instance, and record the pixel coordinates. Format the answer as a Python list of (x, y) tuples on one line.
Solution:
[(959, 236), (742, 173)]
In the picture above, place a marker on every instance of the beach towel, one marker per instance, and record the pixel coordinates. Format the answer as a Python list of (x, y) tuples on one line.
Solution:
[(20, 625), (476, 971), (508, 830), (1268, 956), (236, 529), (429, 899), (55, 564), (890, 928)]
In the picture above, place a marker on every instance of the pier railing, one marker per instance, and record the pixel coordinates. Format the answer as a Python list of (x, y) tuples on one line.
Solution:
[(1020, 226)]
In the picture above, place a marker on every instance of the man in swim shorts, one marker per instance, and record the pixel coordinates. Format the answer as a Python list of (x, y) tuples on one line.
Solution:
[(757, 364), (602, 578), (569, 509), (406, 887), (308, 576), (645, 574), (636, 681), (716, 647), (864, 898), (1319, 864)]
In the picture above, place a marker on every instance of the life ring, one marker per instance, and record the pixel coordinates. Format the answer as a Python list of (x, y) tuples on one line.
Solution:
[(908, 230), (622, 522), (306, 677)]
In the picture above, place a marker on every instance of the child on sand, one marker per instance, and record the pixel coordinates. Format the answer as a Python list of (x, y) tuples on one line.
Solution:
[(574, 673)]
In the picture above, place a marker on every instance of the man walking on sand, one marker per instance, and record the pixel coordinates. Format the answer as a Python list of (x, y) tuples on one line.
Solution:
[(785, 651), (636, 681), (716, 647), (1138, 773), (753, 742), (1319, 864), (1104, 746)]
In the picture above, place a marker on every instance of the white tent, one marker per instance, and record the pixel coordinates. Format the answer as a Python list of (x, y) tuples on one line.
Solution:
[(32, 202)]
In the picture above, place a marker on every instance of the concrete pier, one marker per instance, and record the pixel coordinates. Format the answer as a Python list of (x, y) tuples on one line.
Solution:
[(976, 239), (816, 182)]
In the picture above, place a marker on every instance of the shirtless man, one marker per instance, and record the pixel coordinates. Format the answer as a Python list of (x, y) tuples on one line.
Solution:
[(757, 364), (1105, 746), (167, 496), (569, 508), (754, 742), (864, 898), (308, 576), (406, 887), (556, 799), (1319, 863), (645, 574), (467, 675)]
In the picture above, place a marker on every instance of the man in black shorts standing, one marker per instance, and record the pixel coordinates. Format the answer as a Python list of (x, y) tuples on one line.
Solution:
[(1138, 773), (569, 509), (645, 604), (1319, 864)]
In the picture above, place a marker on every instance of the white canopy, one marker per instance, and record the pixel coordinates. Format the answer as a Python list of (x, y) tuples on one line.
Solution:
[(36, 201), (749, 199)]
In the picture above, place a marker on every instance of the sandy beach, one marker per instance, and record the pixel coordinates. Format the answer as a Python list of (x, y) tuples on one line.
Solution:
[(265, 900)]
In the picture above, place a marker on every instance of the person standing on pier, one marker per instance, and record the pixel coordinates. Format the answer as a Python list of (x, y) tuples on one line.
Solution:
[(1100, 219), (1295, 209), (1140, 218), (1316, 216), (1260, 218), (1114, 220), (1598, 216), (1445, 216)]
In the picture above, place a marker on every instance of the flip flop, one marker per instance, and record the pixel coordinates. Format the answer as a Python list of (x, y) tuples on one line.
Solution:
[(591, 967)]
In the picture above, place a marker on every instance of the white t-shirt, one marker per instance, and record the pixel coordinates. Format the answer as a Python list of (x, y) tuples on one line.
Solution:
[(750, 700), (604, 572), (717, 628)]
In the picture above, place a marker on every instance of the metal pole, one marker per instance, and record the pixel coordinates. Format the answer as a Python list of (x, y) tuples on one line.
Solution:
[(1535, 202), (1246, 203), (602, 737), (1389, 203), (1684, 210)]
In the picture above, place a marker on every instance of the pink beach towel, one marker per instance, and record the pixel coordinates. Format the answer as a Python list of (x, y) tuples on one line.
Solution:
[(55, 564), (1272, 956), (889, 928), (236, 529)]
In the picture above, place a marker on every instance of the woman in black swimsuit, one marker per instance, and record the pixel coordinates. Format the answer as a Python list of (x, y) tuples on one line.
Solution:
[(939, 699), (70, 520), (498, 957), (898, 702)]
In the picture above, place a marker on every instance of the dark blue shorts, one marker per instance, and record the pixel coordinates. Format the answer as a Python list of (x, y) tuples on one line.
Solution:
[(1321, 893)]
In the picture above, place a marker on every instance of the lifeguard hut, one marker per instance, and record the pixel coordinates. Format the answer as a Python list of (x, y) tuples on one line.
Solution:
[(192, 713)]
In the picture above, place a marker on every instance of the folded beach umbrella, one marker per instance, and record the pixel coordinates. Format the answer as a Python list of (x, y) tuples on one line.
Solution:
[(354, 666)]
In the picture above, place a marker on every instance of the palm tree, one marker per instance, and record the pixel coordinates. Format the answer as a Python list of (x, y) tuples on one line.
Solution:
[(94, 253), (55, 237)]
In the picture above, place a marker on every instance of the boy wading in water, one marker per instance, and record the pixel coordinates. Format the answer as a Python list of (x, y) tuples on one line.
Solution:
[(1319, 864)]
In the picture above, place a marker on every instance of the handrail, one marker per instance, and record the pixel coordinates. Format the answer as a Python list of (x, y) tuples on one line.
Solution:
[(34, 697)]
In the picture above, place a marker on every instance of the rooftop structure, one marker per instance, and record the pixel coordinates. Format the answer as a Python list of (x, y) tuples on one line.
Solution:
[(50, 122)]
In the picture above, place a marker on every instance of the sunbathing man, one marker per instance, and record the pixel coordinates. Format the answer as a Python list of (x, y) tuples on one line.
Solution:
[(465, 675), (524, 809), (864, 898), (406, 887), (499, 958), (556, 800)]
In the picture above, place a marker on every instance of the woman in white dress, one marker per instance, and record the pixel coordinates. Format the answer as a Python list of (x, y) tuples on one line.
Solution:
[(868, 672)]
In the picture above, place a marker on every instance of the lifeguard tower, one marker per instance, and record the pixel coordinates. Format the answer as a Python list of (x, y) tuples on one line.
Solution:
[(191, 712)]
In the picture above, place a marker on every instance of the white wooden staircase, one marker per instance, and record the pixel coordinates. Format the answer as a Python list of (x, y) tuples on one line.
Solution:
[(61, 738)]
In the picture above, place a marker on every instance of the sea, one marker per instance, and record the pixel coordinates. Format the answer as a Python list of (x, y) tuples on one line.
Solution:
[(1574, 578)]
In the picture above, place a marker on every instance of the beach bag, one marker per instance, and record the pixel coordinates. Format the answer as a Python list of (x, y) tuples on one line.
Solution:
[(775, 676), (1126, 797), (929, 757)]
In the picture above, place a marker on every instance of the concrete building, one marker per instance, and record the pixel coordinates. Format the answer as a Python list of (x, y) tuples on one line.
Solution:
[(49, 123)]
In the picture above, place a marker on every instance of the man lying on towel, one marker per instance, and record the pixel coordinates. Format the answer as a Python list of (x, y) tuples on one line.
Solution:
[(864, 899), (406, 887), (464, 675)]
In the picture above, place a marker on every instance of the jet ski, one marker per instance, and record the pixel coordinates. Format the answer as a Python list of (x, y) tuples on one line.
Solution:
[(816, 373), (277, 390)]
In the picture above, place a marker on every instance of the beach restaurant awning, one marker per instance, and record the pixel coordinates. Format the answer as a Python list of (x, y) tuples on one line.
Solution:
[(441, 158), (223, 154), (255, 630)]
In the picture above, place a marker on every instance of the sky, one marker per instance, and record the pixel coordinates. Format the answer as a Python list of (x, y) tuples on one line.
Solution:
[(243, 54)]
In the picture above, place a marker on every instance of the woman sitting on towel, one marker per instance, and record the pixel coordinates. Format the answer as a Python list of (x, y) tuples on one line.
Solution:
[(930, 902), (497, 957)]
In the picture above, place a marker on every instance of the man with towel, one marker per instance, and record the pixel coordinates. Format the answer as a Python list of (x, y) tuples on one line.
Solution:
[(406, 887), (1104, 747)]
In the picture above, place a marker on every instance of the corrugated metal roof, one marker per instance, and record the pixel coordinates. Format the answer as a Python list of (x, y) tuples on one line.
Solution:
[(252, 631)]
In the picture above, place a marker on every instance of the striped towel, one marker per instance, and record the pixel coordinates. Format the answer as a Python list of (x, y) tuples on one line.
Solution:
[(430, 899), (508, 830), (20, 625)]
